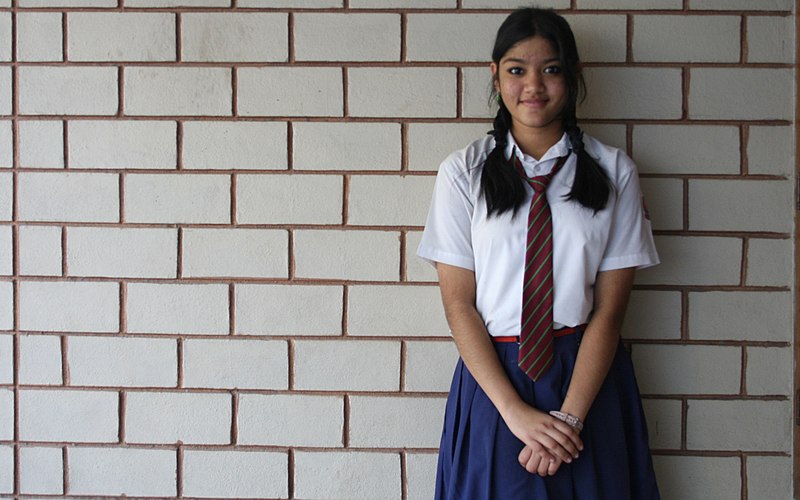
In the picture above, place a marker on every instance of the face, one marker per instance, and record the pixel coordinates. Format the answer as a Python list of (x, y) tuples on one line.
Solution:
[(531, 82)]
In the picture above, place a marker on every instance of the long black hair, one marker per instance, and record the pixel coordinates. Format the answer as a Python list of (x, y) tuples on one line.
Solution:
[(500, 184)]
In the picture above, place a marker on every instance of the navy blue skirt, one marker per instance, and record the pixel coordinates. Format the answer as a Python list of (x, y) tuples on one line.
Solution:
[(478, 453)]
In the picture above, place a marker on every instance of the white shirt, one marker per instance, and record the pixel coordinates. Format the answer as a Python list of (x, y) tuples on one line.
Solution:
[(459, 233)]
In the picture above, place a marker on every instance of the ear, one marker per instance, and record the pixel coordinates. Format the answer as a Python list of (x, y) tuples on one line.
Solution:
[(495, 83)]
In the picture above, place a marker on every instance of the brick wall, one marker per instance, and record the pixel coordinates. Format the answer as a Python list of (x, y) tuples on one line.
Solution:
[(209, 210)]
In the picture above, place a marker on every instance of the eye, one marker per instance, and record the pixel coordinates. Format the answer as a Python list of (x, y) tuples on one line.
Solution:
[(515, 70), (553, 70)]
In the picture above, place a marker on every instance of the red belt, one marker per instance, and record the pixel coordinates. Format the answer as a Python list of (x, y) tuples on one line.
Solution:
[(561, 332)]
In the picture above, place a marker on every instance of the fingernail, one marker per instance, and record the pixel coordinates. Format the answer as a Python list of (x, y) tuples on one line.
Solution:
[(575, 455)]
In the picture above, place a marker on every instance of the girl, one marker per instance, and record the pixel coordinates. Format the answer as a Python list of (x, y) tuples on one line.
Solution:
[(536, 231)]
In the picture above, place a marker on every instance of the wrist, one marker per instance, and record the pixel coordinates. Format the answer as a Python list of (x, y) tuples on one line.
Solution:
[(569, 419)]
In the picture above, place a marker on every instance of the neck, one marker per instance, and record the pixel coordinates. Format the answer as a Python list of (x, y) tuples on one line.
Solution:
[(536, 141)]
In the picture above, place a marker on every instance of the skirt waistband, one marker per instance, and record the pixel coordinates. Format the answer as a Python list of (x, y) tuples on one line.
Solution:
[(561, 332)]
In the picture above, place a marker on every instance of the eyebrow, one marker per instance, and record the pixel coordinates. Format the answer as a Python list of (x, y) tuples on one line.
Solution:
[(523, 61)]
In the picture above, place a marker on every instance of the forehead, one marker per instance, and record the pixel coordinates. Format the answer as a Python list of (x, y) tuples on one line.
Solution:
[(535, 48)]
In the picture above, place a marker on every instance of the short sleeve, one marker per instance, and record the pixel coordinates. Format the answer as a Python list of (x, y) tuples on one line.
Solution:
[(447, 237), (630, 242)]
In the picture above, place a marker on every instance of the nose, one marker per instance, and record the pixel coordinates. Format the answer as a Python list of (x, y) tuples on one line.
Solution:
[(534, 80)]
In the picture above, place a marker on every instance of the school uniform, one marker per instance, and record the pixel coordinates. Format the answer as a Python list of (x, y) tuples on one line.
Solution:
[(478, 453)]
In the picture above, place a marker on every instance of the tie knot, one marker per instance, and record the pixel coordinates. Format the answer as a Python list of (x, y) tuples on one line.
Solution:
[(539, 183)]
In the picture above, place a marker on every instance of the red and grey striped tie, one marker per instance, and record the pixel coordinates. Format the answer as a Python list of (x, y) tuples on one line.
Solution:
[(536, 332)]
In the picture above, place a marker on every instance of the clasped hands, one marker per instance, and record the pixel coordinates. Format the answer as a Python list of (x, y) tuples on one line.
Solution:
[(549, 442)]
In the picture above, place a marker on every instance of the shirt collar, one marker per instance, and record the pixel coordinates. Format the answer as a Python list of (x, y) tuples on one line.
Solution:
[(561, 148)]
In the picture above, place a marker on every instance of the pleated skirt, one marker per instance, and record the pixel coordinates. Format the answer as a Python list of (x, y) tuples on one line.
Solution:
[(478, 453)]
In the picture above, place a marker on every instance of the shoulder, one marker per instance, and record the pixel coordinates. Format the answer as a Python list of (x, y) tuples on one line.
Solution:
[(616, 163), (468, 161)]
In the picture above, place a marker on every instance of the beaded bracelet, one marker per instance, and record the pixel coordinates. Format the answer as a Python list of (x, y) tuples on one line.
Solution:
[(569, 419)]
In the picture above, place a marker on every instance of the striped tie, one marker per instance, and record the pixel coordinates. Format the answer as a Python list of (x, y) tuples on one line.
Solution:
[(536, 332)]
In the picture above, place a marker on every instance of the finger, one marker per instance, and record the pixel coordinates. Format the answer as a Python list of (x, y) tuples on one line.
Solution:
[(553, 468), (544, 466), (558, 445), (565, 441), (570, 432), (532, 465)]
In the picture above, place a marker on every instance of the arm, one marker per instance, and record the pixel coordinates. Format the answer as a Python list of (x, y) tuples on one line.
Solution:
[(548, 436)]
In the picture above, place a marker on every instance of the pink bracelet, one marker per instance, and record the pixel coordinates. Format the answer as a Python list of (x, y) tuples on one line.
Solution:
[(569, 419)]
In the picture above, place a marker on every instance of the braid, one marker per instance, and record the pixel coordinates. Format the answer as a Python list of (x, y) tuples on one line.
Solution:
[(500, 184), (591, 186)]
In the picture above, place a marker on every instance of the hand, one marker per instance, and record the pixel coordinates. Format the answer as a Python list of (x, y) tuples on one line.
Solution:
[(546, 436), (538, 463)]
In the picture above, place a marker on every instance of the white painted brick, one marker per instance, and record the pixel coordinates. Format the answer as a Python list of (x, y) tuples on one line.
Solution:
[(767, 262), (121, 36), (6, 313), (39, 36), (176, 198), (229, 145), (769, 39), (64, 90), (351, 255), (430, 143), (680, 369), (476, 88), (416, 268), (257, 253), (599, 37), (698, 478), (772, 85), (283, 420), (776, 5), (39, 250), (330, 475), (7, 467), (122, 144), (357, 365), (5, 36), (53, 415), (653, 315), (122, 252), (244, 364), (346, 146), (692, 38), (758, 316), (6, 415), (178, 3), (41, 144), (751, 206), (703, 260), (122, 471), (5, 90), (67, 3), (389, 200), (281, 310), (451, 37), (416, 311), (385, 4), (384, 422), (235, 474), (126, 362), (415, 92), (7, 190), (289, 199), (630, 4), (250, 37), (686, 149), (69, 306), (193, 91), (289, 91), (629, 93), (429, 366), (511, 4), (41, 470), (664, 201), (178, 308), (745, 422), (347, 37), (70, 197), (769, 477), (6, 144), (421, 475), (770, 150), (172, 417), (6, 251), (40, 359), (291, 3), (663, 423), (6, 354), (769, 370)]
